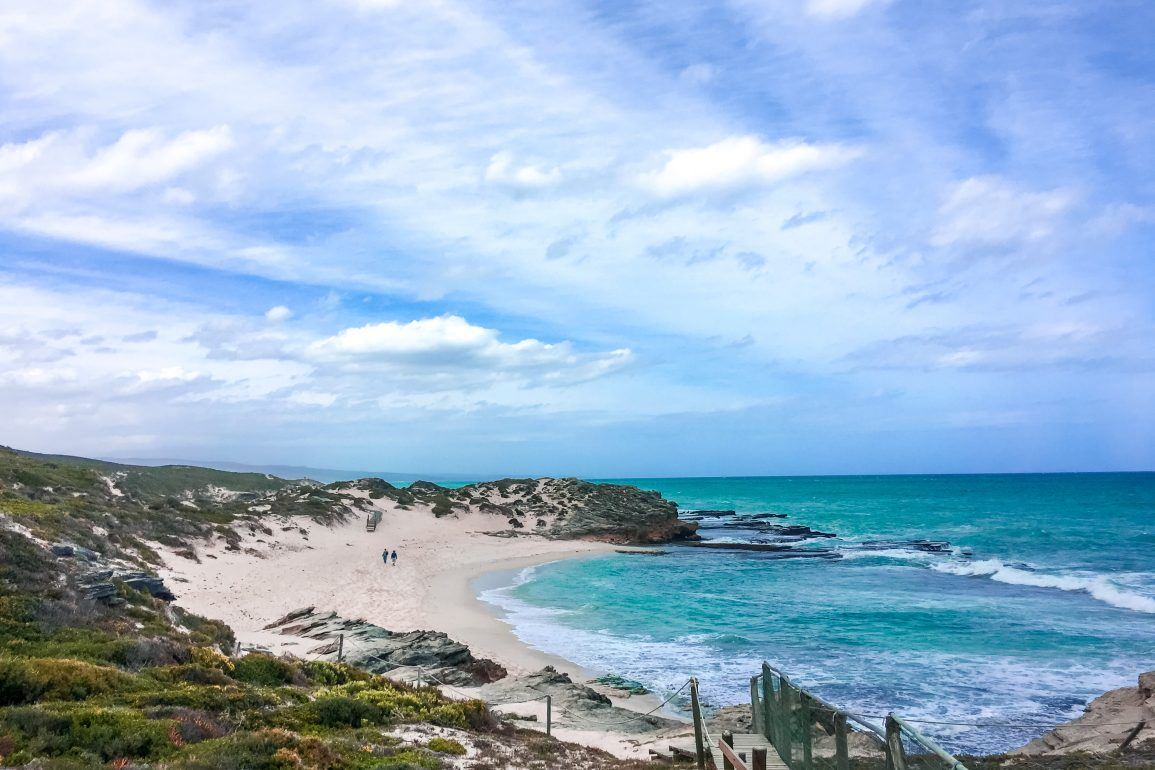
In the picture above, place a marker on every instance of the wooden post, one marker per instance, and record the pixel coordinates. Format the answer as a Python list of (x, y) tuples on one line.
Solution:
[(418, 676), (759, 759), (755, 706), (769, 707), (696, 708), (548, 714), (841, 750), (785, 744), (341, 648), (804, 721), (895, 754), (728, 739)]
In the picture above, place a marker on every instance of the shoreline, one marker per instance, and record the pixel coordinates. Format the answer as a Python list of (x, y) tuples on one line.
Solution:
[(288, 565)]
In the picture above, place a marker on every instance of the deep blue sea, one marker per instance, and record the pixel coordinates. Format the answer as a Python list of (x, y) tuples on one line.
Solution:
[(1046, 600)]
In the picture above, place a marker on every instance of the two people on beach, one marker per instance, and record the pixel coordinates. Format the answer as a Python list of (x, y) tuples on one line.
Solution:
[(385, 557)]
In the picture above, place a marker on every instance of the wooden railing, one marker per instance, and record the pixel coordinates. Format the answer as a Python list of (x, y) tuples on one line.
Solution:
[(785, 715)]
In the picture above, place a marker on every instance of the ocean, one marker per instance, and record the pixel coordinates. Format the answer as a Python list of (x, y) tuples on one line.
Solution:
[(1046, 599)]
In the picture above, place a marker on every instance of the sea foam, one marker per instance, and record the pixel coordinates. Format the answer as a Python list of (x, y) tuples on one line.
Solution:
[(1097, 586)]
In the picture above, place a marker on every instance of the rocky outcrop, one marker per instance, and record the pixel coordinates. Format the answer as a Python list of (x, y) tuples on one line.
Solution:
[(67, 550), (777, 530), (1119, 720), (375, 649), (574, 705), (929, 546), (569, 509), (104, 586), (771, 550)]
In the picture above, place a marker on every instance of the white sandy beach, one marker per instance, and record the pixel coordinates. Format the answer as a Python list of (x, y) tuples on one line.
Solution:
[(341, 569)]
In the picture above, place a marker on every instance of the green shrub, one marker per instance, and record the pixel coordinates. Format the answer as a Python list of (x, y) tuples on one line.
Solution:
[(412, 704), (98, 646), (272, 749), (236, 699), (206, 632), (323, 672), (259, 668), (210, 658), (445, 746), (49, 679), (344, 712), (103, 733), (190, 674)]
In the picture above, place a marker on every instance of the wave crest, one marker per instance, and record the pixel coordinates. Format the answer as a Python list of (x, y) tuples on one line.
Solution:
[(1098, 586)]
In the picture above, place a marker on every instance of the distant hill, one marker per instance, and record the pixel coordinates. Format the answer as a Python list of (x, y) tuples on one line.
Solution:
[(324, 475), (161, 480)]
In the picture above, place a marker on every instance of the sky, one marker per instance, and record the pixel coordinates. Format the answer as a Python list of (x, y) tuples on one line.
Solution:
[(607, 239)]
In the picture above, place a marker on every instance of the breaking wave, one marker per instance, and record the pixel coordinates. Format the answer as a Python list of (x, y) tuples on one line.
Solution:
[(1099, 587)]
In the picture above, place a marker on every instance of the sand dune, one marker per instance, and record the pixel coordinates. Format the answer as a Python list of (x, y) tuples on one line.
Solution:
[(341, 569)]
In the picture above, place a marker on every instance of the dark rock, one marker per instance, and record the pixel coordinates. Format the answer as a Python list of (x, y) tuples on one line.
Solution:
[(622, 685), (779, 551), (380, 651), (574, 705), (151, 583), (784, 530), (930, 546), (101, 586), (75, 551)]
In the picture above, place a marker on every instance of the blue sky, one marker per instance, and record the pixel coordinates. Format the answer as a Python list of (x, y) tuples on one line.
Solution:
[(564, 237)]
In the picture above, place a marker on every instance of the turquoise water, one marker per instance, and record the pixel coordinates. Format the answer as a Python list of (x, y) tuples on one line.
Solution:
[(1047, 600)]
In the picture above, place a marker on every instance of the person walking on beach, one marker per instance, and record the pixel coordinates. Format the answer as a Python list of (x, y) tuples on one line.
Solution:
[(385, 557), (395, 558)]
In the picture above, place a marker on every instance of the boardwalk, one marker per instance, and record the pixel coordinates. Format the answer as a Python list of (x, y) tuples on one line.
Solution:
[(744, 744)]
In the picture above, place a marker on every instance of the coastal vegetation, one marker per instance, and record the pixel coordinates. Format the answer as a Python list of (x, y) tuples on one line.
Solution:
[(99, 669)]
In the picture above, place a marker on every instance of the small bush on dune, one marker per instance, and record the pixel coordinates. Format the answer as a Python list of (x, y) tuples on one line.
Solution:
[(247, 751), (33, 680), (322, 672), (402, 703), (445, 746), (344, 712), (206, 632), (103, 733), (234, 699), (190, 674), (261, 669), (210, 658)]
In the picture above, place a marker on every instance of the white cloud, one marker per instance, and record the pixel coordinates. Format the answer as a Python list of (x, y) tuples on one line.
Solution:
[(990, 211), (742, 160), (503, 170), (71, 164), (166, 374), (278, 314), (144, 157), (435, 346), (839, 9), (312, 398)]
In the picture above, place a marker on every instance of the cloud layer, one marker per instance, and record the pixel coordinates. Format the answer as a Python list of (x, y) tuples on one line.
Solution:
[(568, 236)]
